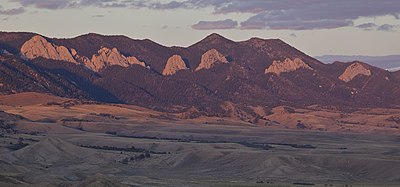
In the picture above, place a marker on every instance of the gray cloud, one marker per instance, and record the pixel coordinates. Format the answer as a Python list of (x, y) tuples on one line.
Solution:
[(367, 26), (213, 25), (286, 20), (266, 14), (169, 5), (13, 11), (98, 16), (387, 28), (308, 15), (46, 4), (300, 14), (61, 4), (339, 9)]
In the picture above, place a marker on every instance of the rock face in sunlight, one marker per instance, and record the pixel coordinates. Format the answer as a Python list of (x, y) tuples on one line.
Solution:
[(38, 46), (354, 70), (211, 58), (174, 64), (286, 66), (109, 57)]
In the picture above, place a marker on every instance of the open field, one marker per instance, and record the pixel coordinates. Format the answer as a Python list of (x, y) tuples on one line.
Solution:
[(63, 142)]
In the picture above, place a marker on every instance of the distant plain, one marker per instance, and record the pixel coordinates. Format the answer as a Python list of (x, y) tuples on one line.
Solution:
[(67, 142)]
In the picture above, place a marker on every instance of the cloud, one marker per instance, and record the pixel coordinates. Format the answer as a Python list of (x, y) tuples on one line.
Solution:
[(281, 20), (387, 28), (214, 25), (299, 14), (264, 14), (309, 15), (324, 9), (169, 5), (61, 4), (45, 4), (98, 16), (367, 26), (13, 11)]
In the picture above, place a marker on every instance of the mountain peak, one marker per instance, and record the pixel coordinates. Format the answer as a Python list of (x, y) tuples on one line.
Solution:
[(257, 40), (90, 35), (215, 35), (215, 38)]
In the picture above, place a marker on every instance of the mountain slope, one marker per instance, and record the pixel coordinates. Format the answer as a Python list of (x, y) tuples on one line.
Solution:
[(46, 76), (217, 71)]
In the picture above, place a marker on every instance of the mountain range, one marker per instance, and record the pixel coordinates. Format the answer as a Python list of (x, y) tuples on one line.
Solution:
[(215, 76)]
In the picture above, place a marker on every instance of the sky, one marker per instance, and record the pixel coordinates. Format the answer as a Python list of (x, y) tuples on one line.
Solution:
[(316, 27)]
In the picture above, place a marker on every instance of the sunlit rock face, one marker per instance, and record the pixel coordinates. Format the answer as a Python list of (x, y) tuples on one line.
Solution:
[(174, 64), (288, 65), (211, 58), (354, 70), (38, 46), (108, 57)]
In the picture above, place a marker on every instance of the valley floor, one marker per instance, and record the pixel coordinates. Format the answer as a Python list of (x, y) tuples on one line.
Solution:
[(59, 142)]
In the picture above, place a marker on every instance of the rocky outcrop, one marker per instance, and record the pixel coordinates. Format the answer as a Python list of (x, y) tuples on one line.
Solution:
[(109, 57), (174, 64), (354, 70), (73, 52), (288, 65), (211, 58), (38, 46)]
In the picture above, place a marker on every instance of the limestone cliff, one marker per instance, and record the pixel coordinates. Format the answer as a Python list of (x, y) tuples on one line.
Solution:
[(109, 57), (211, 58), (38, 46), (288, 65), (354, 70), (174, 64)]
